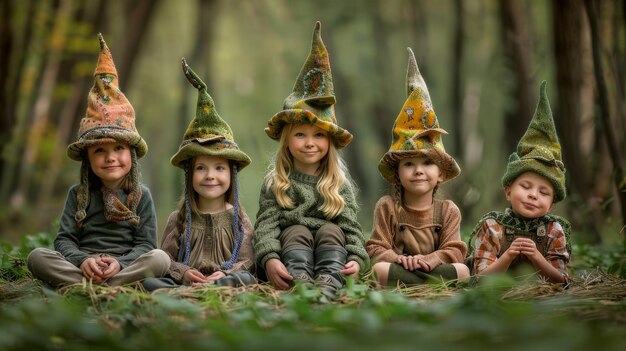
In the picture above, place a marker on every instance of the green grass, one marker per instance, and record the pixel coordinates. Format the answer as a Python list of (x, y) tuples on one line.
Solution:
[(499, 313)]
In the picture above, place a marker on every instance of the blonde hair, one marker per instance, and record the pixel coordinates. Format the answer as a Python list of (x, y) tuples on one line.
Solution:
[(332, 173)]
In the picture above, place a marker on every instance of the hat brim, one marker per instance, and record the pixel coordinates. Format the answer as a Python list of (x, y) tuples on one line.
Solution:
[(75, 150), (388, 165), (298, 116), (516, 168), (194, 149)]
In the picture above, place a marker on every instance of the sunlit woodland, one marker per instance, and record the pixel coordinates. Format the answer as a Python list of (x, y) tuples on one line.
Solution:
[(483, 62)]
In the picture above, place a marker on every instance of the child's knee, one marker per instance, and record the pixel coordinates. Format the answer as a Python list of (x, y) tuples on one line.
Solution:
[(462, 271), (382, 271), (330, 234)]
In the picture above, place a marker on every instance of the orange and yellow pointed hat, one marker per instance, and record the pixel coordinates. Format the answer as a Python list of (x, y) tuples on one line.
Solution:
[(110, 117)]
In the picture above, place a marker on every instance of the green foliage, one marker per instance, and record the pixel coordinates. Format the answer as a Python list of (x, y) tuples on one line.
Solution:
[(613, 259), (13, 258), (498, 313)]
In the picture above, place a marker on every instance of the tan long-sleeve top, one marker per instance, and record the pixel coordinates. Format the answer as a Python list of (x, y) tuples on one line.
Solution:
[(212, 242), (417, 234)]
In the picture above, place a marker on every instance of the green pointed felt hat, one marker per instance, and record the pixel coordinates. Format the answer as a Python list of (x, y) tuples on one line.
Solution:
[(110, 117), (207, 134), (539, 150), (416, 131), (313, 97)]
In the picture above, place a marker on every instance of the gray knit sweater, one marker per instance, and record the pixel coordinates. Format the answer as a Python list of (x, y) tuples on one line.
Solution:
[(118, 239), (272, 219)]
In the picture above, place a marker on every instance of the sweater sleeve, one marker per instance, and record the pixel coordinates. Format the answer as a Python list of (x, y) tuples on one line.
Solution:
[(246, 260), (145, 237), (171, 244), (451, 248), (380, 245), (347, 221), (267, 228), (67, 239)]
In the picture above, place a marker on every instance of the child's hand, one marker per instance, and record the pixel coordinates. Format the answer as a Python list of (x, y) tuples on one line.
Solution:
[(521, 246), (192, 276), (110, 266), (526, 247), (411, 263), (351, 268), (92, 270), (216, 275), (277, 274)]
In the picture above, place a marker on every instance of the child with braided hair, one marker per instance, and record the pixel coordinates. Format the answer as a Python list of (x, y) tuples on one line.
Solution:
[(107, 231), (209, 237)]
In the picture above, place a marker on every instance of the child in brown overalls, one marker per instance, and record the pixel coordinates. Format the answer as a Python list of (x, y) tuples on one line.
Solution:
[(416, 237)]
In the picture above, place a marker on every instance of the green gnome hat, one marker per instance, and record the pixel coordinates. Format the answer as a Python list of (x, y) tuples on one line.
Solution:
[(207, 134), (539, 150), (416, 131), (313, 97), (110, 117)]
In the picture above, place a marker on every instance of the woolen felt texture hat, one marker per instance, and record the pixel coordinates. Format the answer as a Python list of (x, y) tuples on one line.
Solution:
[(207, 134), (539, 150), (416, 131), (313, 98), (110, 117)]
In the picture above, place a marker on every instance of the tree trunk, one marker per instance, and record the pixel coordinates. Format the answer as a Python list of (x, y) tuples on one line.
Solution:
[(13, 144), (605, 109), (6, 43), (568, 28), (517, 48), (137, 24), (457, 81), (42, 104)]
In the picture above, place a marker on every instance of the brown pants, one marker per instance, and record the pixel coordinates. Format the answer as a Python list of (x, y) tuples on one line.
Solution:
[(51, 267), (328, 234)]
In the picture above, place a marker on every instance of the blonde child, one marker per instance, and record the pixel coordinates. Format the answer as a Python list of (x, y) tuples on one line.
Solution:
[(107, 231), (209, 237), (416, 237), (306, 227), (526, 234)]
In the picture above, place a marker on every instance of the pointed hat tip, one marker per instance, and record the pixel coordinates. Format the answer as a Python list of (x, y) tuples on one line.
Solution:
[(412, 73), (317, 31), (103, 44), (192, 77)]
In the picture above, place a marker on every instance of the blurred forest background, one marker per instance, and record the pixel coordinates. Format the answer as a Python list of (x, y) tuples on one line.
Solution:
[(482, 60)]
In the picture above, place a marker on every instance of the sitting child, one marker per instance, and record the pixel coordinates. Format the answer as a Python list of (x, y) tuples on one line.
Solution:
[(526, 233)]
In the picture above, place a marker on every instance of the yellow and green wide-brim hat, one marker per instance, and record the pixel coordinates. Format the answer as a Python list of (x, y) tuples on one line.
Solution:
[(313, 98), (207, 134)]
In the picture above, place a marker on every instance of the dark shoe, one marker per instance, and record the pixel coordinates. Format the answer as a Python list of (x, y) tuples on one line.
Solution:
[(235, 279), (299, 261)]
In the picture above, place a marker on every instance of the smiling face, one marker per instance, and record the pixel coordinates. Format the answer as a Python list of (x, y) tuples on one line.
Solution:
[(419, 176), (111, 162), (530, 195), (308, 144), (211, 181)]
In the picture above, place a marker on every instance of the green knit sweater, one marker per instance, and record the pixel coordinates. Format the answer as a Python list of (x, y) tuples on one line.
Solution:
[(119, 239), (272, 219)]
